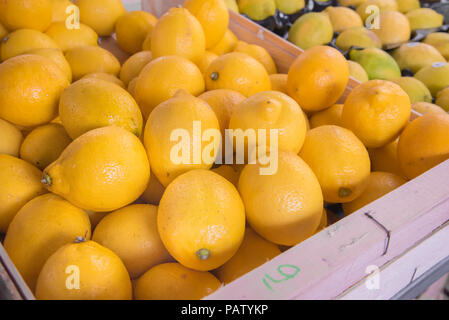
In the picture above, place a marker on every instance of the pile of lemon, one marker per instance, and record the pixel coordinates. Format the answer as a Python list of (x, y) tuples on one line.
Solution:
[(84, 217)]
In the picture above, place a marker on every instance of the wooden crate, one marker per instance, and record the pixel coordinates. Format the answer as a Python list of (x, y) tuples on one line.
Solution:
[(401, 235)]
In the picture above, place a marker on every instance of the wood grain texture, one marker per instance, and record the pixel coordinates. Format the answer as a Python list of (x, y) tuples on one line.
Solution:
[(398, 273)]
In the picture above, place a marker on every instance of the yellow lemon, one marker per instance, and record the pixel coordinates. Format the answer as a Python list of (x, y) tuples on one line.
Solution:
[(357, 72), (31, 86), (237, 71), (405, 6), (357, 37), (223, 102), (343, 18), (172, 281), (207, 60), (415, 89), (226, 44), (92, 103), (423, 144), (102, 275), (442, 99), (348, 3), (289, 6), (146, 44), (44, 145), (59, 10), (379, 184), (24, 40), (253, 252), (317, 78), (416, 55), (271, 110), (259, 53), (57, 57), (426, 107), (132, 29), (339, 160), (179, 33), (132, 86), (11, 139), (435, 77), (386, 158), (19, 183), (180, 113), (329, 116), (134, 65), (377, 63), (55, 120), (95, 217), (232, 5), (131, 233), (376, 111), (101, 15), (257, 9), (424, 18), (439, 40), (394, 28), (85, 60), (201, 220), (279, 82), (3, 32), (323, 222), (154, 191), (229, 173), (30, 14), (285, 207), (161, 78), (50, 222), (106, 77), (102, 170), (310, 30), (213, 15), (68, 39)]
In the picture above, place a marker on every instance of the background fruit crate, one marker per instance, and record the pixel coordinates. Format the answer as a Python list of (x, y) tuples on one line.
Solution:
[(399, 237)]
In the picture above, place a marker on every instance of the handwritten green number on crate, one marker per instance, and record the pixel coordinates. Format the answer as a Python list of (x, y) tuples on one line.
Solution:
[(287, 275)]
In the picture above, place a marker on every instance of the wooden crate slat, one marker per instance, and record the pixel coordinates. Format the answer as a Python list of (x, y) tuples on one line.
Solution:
[(336, 258), (110, 44), (8, 290), (397, 274), (158, 8)]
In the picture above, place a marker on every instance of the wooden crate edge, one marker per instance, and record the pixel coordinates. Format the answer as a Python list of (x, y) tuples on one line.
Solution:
[(20, 285), (404, 269)]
